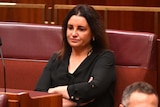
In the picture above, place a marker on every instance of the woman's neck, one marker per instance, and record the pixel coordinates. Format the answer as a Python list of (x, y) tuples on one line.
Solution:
[(82, 52), (77, 57)]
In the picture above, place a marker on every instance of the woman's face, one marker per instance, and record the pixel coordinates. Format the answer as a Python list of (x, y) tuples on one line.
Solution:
[(78, 32)]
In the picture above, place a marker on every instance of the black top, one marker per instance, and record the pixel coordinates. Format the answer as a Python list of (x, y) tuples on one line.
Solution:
[(100, 66)]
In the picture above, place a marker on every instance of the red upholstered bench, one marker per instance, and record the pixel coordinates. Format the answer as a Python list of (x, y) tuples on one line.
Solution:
[(136, 58), (27, 48)]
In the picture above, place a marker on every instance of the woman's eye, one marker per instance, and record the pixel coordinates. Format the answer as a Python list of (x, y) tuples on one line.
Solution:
[(82, 29), (70, 27)]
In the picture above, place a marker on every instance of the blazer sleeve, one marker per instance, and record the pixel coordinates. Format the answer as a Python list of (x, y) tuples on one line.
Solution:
[(104, 76)]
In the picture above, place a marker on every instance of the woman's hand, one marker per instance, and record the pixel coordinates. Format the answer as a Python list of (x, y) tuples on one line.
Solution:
[(63, 90), (68, 103), (60, 90)]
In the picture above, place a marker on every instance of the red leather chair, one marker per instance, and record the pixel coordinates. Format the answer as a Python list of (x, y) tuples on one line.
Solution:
[(26, 50), (136, 58), (3, 100)]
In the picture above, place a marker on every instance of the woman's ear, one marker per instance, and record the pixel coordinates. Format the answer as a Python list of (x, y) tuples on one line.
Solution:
[(121, 105)]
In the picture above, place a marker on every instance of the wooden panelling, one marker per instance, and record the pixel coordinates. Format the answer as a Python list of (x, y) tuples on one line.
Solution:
[(117, 20), (21, 15), (136, 21), (20, 12), (28, 15)]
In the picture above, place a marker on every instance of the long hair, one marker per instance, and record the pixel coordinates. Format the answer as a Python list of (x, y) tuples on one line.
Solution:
[(95, 23)]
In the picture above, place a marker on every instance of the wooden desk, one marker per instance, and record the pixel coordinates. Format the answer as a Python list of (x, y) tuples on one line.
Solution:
[(26, 98)]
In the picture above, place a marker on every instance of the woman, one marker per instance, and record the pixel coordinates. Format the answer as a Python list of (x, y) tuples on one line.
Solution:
[(83, 71)]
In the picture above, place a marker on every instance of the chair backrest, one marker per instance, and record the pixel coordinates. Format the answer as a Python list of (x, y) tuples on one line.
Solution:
[(26, 50), (3, 100), (29, 41), (133, 48), (136, 58)]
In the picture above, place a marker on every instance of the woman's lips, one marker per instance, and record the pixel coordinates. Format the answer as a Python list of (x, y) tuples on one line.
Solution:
[(74, 40)]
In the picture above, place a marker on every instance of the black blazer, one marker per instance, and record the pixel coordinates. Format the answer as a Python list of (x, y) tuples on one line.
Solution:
[(100, 66)]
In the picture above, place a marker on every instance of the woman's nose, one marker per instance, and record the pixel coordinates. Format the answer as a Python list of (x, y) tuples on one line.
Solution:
[(74, 33)]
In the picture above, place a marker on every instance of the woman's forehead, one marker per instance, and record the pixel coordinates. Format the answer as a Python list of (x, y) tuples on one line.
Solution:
[(77, 20)]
